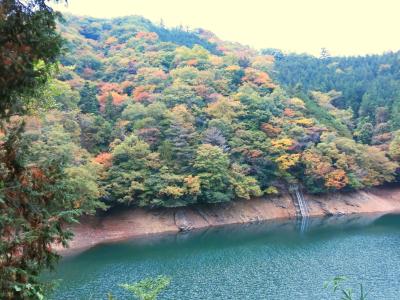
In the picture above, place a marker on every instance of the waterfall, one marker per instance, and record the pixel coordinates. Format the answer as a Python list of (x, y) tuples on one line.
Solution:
[(298, 198)]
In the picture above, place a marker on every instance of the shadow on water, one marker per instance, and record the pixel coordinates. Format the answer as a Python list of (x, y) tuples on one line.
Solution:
[(234, 248)]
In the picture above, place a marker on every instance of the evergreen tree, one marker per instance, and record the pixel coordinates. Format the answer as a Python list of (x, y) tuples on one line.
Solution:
[(88, 102), (110, 111)]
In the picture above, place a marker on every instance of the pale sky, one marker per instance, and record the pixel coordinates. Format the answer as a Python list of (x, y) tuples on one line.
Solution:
[(344, 27)]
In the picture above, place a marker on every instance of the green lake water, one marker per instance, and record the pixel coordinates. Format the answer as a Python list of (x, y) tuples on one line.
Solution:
[(273, 260)]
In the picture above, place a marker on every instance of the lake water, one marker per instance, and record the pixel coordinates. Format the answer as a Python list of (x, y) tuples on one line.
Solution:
[(259, 261)]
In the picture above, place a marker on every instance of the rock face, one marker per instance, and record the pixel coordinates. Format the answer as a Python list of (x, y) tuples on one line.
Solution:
[(119, 224)]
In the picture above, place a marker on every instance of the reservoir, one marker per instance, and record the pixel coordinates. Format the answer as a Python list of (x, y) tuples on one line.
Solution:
[(272, 260)]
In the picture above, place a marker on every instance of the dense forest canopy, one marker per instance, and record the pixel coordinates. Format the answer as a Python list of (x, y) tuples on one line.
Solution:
[(367, 86), (139, 114), (175, 116)]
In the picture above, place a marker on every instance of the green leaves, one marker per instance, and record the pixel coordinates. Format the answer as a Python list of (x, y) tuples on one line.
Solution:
[(346, 293), (148, 288), (43, 187)]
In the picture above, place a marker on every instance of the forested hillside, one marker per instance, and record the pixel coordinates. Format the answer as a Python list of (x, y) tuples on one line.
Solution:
[(368, 87), (173, 117)]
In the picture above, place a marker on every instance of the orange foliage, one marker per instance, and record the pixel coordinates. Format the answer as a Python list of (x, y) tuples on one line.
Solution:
[(143, 93), (149, 36), (149, 73), (288, 112), (270, 130), (107, 87), (37, 173), (255, 153), (318, 165), (262, 78), (258, 77), (336, 179), (104, 158), (192, 62), (113, 89), (111, 40), (117, 98)]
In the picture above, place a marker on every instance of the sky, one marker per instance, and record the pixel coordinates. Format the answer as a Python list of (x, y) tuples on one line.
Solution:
[(344, 27)]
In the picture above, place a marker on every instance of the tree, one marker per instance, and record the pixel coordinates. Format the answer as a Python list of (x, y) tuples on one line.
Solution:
[(211, 165), (364, 133), (182, 135), (325, 53), (29, 47), (41, 189), (37, 196), (394, 147), (125, 180), (213, 136), (88, 102), (95, 133), (110, 110)]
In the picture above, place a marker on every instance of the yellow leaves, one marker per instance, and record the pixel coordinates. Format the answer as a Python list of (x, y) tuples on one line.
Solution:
[(153, 161), (192, 184), (306, 122), (183, 55), (172, 191), (263, 62), (216, 60), (111, 40), (232, 68), (271, 190), (224, 108), (282, 144), (286, 161), (182, 114), (394, 147), (296, 102)]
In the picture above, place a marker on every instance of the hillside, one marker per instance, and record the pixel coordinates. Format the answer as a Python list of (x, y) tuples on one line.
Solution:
[(367, 87), (172, 117)]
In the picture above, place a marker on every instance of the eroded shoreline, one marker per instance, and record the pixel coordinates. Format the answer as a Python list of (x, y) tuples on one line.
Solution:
[(130, 223)]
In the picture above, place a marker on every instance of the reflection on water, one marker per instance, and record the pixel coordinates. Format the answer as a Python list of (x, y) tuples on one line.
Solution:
[(269, 260)]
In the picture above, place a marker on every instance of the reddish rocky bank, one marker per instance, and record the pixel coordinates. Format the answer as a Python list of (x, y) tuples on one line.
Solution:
[(130, 223)]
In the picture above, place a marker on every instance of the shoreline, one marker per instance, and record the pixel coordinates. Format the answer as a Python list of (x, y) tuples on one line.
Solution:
[(132, 223)]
